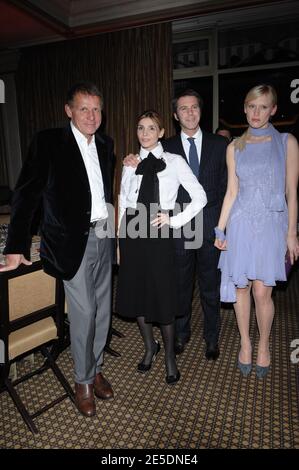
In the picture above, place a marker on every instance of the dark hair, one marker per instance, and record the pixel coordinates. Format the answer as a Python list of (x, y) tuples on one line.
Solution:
[(86, 88), (152, 114), (188, 92), (222, 128)]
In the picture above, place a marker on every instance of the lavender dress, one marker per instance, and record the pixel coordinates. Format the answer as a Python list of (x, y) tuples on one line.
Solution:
[(256, 236)]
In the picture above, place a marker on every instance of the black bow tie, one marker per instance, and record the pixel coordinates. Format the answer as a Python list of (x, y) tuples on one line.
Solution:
[(150, 164)]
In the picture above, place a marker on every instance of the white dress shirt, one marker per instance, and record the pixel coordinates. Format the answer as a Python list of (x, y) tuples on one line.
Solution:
[(91, 161), (197, 140), (176, 173)]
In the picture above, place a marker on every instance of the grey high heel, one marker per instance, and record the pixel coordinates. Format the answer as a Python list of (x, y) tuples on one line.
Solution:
[(261, 371), (244, 368)]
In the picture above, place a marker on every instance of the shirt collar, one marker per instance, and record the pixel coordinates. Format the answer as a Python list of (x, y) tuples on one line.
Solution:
[(157, 151), (80, 138), (196, 136)]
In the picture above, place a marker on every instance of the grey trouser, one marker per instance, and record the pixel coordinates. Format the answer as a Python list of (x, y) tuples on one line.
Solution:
[(88, 297)]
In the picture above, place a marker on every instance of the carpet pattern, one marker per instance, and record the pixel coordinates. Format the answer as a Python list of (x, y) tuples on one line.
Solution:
[(212, 406)]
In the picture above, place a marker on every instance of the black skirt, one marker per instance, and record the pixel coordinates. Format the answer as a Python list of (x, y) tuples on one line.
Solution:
[(146, 280)]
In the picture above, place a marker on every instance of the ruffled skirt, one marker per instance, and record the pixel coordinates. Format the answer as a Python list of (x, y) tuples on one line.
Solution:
[(256, 250)]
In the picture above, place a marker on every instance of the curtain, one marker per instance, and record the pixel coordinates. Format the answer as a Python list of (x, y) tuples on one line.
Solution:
[(3, 162), (133, 68)]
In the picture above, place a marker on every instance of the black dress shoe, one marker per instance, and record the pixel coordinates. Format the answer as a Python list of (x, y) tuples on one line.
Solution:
[(179, 345), (173, 379), (212, 351), (142, 367)]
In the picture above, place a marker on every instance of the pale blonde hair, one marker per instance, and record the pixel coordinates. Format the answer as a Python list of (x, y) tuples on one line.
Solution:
[(253, 94)]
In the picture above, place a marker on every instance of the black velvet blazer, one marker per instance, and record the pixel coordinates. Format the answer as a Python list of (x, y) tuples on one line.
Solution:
[(212, 176), (55, 177)]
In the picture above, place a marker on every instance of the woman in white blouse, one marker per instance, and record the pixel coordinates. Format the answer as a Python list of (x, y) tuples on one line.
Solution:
[(146, 280)]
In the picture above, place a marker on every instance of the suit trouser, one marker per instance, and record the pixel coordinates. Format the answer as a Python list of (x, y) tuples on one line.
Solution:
[(204, 261), (88, 296)]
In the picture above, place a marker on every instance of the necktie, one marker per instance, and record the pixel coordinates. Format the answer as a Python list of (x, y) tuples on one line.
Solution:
[(193, 157)]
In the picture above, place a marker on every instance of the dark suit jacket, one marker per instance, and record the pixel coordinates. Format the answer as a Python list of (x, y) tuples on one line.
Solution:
[(212, 176), (54, 174)]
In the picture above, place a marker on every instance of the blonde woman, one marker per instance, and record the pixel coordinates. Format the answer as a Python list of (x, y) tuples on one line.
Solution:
[(259, 214)]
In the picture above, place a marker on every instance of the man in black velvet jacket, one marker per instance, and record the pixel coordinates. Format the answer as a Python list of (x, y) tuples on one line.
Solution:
[(70, 172)]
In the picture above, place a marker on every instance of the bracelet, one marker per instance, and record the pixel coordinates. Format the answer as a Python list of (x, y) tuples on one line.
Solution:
[(219, 234)]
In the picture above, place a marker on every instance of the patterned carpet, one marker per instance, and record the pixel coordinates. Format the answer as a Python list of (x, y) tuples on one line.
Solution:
[(212, 406)]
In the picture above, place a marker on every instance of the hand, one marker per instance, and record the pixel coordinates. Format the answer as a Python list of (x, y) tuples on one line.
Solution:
[(160, 220), (221, 245), (13, 262), (131, 160), (293, 247)]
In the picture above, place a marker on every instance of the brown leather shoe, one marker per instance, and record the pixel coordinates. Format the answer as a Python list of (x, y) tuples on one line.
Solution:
[(84, 399), (102, 387)]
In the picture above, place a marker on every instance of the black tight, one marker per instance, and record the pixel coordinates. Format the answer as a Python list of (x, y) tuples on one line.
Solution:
[(168, 340), (146, 330)]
